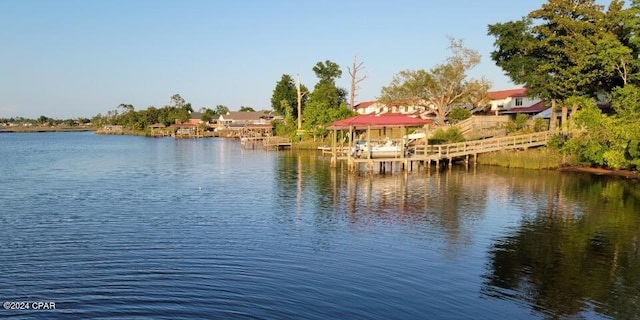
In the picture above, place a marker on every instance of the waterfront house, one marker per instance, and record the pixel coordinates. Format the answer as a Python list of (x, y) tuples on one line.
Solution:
[(376, 107), (513, 101), (532, 110), (241, 119), (195, 118)]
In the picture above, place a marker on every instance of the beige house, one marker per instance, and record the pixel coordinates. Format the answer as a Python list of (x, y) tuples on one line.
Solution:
[(238, 119)]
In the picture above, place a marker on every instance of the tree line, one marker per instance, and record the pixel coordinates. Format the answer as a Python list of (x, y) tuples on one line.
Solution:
[(325, 104), (579, 57), (178, 110), (445, 88), (45, 121), (574, 54)]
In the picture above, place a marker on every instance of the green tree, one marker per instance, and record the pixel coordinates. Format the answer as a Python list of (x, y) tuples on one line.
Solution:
[(442, 87), (327, 71), (518, 124), (285, 90), (571, 50), (221, 109), (327, 102), (246, 109), (207, 114), (458, 114), (287, 126), (478, 96), (127, 117), (43, 120), (565, 49), (177, 101)]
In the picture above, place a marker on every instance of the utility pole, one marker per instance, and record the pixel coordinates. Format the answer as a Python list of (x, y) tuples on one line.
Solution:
[(300, 94)]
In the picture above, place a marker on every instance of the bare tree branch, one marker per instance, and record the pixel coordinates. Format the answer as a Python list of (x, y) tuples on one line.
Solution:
[(353, 73)]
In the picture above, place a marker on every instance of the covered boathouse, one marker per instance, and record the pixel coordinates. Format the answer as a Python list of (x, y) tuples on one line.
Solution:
[(370, 151)]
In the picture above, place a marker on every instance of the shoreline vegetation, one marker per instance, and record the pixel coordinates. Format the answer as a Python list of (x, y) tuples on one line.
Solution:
[(532, 159), (548, 159), (23, 129)]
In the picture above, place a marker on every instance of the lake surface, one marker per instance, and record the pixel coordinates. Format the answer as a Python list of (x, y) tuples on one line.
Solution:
[(119, 227)]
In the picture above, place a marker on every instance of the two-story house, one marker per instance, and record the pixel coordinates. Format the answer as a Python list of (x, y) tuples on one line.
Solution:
[(375, 107)]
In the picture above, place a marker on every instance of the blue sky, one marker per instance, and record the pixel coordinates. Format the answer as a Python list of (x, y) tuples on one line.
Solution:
[(77, 58)]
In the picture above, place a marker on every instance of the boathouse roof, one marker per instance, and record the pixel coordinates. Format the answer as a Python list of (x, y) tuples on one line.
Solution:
[(379, 121)]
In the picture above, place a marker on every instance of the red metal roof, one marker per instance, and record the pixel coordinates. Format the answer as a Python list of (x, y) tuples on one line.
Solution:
[(503, 94), (536, 108), (379, 121)]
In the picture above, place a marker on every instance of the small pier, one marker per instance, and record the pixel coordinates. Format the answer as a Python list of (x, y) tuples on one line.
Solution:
[(276, 143), (428, 155), (268, 143)]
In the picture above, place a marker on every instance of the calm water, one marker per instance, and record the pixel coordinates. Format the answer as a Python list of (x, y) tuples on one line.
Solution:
[(117, 227)]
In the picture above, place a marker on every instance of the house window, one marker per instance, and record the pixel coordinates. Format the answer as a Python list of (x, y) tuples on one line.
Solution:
[(518, 102)]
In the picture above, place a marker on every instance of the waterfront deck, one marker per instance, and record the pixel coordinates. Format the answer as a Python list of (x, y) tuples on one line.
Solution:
[(276, 143), (268, 143), (425, 155)]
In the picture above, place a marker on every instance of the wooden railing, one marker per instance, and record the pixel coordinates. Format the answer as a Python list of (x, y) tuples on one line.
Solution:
[(276, 142), (481, 125), (481, 146)]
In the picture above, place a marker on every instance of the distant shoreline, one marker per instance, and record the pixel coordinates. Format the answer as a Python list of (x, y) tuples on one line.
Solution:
[(628, 174), (43, 129)]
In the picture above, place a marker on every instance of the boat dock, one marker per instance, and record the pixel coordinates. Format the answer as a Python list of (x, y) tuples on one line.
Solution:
[(268, 143), (426, 155)]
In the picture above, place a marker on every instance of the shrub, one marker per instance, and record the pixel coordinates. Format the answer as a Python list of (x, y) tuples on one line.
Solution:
[(458, 114), (540, 124), (518, 124), (451, 135)]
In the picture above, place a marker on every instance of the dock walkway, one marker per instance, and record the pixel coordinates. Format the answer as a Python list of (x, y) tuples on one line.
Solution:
[(425, 155), (268, 143)]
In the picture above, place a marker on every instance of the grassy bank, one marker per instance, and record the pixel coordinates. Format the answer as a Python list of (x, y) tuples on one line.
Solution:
[(309, 144), (540, 158)]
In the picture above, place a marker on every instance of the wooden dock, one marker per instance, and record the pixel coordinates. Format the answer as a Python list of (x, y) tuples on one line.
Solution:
[(268, 143), (437, 154), (276, 143)]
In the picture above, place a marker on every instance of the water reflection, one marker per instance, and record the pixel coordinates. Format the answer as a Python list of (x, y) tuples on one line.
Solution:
[(561, 244), (575, 254)]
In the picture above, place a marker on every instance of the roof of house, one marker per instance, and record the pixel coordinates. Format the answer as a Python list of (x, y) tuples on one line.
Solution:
[(503, 94), (379, 121), (244, 115), (536, 108), (195, 115), (364, 104)]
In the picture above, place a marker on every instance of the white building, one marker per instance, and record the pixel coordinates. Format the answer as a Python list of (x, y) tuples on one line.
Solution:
[(375, 107), (505, 100)]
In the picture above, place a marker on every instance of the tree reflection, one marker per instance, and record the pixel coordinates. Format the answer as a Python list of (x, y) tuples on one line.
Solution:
[(573, 246), (579, 253)]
